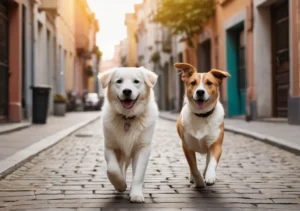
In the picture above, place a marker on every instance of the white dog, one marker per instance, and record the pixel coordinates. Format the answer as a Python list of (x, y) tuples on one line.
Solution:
[(129, 117)]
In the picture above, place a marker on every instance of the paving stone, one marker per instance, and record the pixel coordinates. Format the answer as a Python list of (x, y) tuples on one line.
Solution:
[(72, 176)]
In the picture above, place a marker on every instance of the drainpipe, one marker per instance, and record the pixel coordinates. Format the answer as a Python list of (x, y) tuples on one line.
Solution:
[(32, 21), (32, 4)]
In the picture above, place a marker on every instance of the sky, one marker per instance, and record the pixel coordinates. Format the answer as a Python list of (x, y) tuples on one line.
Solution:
[(111, 16)]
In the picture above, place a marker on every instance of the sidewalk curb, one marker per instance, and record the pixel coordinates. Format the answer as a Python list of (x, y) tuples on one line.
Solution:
[(16, 160), (14, 129), (280, 143)]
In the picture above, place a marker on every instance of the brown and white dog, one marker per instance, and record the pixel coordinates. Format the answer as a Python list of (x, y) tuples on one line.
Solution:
[(201, 122)]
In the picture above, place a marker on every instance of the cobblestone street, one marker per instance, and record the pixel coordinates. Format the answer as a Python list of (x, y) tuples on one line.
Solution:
[(72, 176)]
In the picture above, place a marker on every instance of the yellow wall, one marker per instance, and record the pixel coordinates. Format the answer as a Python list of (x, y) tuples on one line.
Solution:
[(131, 29), (91, 84), (66, 30)]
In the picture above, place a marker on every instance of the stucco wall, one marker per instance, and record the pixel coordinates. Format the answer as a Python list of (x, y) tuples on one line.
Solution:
[(66, 31)]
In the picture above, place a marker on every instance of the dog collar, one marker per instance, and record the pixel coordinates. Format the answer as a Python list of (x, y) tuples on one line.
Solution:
[(205, 115), (127, 125)]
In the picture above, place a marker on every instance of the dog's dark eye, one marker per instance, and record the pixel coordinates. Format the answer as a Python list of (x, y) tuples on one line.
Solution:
[(136, 81), (193, 83), (119, 81), (209, 83)]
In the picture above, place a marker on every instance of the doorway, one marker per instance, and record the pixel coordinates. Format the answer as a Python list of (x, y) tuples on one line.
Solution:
[(181, 83), (280, 49), (4, 68), (204, 56), (236, 65)]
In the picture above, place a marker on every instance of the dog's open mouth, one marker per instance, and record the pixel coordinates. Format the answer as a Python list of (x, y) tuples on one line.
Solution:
[(128, 103), (201, 103)]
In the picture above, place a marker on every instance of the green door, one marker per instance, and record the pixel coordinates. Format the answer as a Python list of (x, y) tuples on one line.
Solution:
[(236, 66)]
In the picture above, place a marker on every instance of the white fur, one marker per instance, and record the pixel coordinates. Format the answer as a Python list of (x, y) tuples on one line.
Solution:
[(210, 174), (201, 87), (134, 145), (200, 134)]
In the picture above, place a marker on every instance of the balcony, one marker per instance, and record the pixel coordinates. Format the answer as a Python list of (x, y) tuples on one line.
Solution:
[(50, 6)]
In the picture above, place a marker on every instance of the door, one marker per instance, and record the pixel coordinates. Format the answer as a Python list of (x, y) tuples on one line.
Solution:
[(236, 66), (242, 72), (204, 56), (280, 40), (3, 62)]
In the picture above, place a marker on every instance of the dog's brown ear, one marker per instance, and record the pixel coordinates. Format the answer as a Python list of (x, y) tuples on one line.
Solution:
[(186, 69), (105, 77), (219, 74)]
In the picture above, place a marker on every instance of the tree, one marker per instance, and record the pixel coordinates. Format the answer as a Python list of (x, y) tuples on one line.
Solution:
[(186, 17)]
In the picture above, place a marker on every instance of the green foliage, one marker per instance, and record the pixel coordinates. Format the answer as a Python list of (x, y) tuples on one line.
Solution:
[(58, 98), (155, 57), (185, 17), (98, 52)]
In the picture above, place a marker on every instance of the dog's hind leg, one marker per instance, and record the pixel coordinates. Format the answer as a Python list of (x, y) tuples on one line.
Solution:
[(114, 173)]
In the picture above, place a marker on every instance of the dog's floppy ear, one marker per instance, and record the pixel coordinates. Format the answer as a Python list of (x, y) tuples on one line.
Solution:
[(186, 69), (150, 77), (105, 77), (219, 74)]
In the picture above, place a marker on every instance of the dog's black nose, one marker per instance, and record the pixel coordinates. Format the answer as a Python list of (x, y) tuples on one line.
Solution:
[(127, 92), (200, 92)]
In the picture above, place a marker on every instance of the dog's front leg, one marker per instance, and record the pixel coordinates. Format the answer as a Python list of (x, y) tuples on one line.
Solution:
[(139, 165), (213, 157), (113, 170), (196, 176)]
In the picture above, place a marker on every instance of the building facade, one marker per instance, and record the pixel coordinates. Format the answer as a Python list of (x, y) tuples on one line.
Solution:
[(253, 40), (16, 59), (86, 60), (130, 22), (37, 40)]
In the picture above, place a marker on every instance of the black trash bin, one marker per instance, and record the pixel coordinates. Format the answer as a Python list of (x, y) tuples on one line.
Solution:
[(40, 100)]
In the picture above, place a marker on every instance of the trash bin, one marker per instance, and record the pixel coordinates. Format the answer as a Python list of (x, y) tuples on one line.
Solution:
[(40, 100)]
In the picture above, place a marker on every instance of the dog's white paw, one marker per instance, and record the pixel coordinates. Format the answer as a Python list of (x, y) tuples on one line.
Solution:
[(117, 180), (210, 177), (137, 198)]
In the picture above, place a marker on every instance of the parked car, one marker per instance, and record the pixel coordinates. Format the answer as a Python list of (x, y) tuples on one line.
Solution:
[(92, 102)]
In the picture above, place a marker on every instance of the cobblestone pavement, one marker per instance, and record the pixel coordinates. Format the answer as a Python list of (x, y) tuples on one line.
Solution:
[(72, 176)]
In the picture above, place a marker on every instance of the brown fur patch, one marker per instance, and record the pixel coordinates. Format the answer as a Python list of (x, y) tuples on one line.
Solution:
[(186, 69), (190, 155)]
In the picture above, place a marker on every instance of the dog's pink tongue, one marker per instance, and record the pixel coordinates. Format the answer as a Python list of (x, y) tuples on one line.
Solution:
[(201, 104), (127, 103)]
